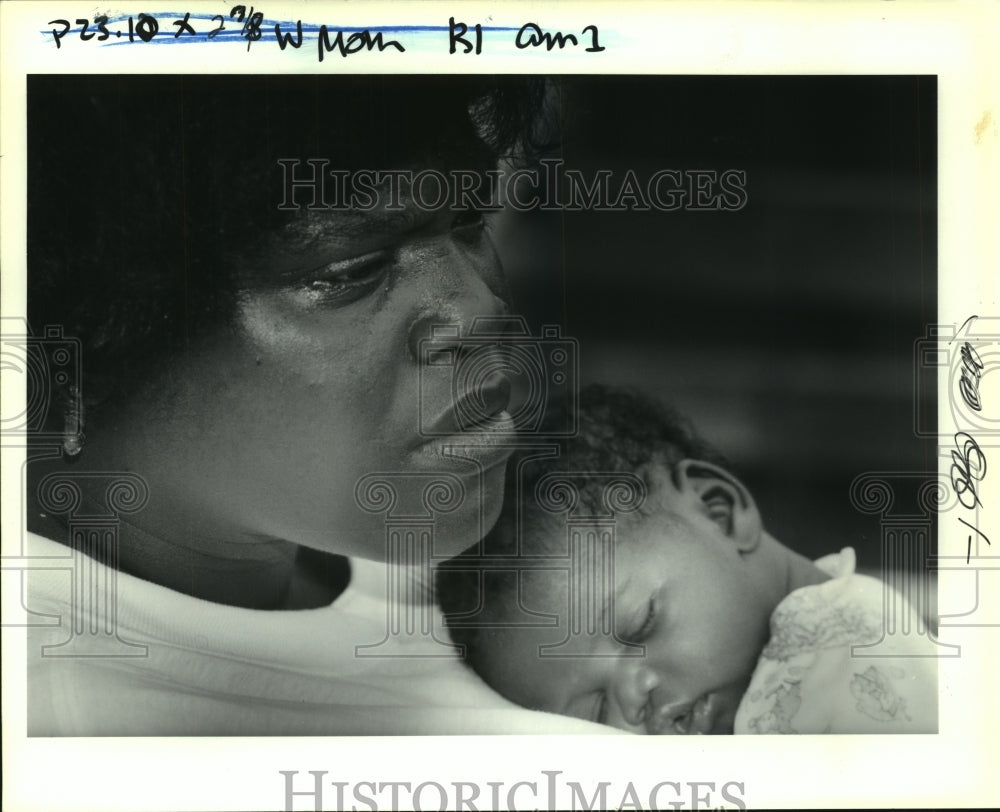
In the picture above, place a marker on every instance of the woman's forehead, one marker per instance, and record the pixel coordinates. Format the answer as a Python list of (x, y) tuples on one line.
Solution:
[(349, 227), (311, 237)]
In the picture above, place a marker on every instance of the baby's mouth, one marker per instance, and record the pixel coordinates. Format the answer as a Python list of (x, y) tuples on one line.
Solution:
[(685, 719)]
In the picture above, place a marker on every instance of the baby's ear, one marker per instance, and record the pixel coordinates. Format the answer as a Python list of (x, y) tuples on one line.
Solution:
[(725, 500)]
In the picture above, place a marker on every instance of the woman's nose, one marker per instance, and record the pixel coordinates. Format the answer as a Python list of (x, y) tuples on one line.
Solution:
[(633, 691), (459, 295)]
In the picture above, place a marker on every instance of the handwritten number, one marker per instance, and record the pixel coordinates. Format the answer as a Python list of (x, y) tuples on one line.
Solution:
[(968, 548), (595, 46), (251, 28), (252, 22), (972, 371), (147, 27), (85, 24), (222, 25), (968, 466)]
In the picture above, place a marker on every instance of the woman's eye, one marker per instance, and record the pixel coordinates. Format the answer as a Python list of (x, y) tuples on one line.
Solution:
[(645, 626), (468, 220), (349, 280)]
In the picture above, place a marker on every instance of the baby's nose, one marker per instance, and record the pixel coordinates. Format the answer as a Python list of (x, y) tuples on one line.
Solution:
[(635, 693)]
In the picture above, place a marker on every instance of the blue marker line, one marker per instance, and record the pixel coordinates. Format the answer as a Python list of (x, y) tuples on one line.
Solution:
[(234, 31)]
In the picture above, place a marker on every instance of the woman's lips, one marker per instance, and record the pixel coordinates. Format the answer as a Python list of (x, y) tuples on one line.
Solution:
[(482, 409), (487, 446)]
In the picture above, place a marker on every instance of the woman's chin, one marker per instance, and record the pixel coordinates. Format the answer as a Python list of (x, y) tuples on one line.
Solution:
[(392, 513)]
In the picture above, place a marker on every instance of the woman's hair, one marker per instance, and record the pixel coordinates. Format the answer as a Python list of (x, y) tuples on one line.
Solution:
[(143, 191)]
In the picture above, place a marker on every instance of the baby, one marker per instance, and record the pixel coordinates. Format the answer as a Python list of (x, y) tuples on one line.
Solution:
[(707, 624)]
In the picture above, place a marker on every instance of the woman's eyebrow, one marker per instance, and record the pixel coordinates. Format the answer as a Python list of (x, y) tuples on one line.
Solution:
[(350, 223), (346, 231), (395, 220)]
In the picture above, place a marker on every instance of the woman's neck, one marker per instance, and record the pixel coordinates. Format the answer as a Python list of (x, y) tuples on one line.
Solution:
[(181, 551)]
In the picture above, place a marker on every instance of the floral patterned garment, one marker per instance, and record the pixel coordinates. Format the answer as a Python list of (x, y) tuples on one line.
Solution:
[(830, 668)]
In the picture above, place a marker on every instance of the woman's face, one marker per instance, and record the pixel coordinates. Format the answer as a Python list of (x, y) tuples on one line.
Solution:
[(269, 426)]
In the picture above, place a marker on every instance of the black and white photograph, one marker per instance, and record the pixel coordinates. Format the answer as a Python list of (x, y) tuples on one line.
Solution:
[(360, 408)]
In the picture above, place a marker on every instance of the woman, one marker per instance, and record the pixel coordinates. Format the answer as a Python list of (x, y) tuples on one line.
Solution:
[(251, 376)]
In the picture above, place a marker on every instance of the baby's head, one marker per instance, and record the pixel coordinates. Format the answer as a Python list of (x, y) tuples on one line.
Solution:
[(692, 578)]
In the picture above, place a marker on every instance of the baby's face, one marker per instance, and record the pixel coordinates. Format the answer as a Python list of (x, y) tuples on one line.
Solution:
[(688, 618)]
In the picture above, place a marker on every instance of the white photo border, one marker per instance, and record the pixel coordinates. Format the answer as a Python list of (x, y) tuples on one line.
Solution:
[(954, 41)]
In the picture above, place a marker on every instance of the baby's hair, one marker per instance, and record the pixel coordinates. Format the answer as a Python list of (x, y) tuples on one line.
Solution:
[(619, 430)]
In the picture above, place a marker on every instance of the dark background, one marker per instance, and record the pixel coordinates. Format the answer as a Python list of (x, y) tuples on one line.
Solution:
[(785, 330)]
